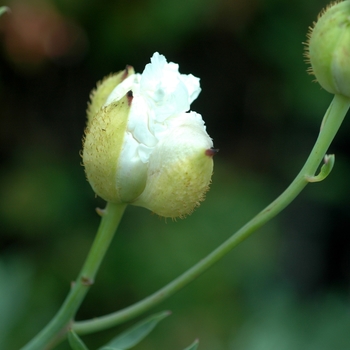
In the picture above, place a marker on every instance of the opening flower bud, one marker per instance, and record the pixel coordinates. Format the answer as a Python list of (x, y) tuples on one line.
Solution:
[(328, 48), (142, 144)]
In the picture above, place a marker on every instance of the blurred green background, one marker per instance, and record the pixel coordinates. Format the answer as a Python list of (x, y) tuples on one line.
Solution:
[(287, 287)]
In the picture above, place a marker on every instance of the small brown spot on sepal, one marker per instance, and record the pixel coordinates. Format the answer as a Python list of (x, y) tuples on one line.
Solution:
[(211, 152), (130, 96)]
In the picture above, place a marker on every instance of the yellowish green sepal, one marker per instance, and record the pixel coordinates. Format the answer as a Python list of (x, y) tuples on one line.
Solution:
[(179, 175), (99, 95), (102, 146)]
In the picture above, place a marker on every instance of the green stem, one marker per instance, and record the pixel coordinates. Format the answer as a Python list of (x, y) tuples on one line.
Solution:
[(330, 125), (60, 324)]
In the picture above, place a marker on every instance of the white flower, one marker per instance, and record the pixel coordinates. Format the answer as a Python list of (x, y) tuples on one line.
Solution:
[(162, 157)]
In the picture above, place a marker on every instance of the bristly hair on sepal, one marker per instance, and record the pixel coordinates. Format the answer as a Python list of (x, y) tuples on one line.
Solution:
[(306, 44)]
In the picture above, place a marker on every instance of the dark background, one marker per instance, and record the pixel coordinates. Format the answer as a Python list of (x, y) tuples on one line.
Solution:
[(284, 288)]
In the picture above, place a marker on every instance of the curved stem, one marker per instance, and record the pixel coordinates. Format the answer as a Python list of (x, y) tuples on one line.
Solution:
[(330, 125), (111, 217)]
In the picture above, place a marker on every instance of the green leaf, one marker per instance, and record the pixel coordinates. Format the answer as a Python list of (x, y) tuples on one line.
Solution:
[(135, 334), (193, 346), (75, 342), (4, 9)]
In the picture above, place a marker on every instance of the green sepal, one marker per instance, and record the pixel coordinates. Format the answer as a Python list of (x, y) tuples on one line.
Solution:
[(193, 346), (75, 342), (135, 334)]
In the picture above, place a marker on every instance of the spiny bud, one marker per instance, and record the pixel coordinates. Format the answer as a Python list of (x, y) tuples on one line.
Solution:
[(142, 144), (328, 48)]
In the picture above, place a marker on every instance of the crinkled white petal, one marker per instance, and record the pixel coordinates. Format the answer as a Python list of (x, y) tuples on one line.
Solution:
[(139, 119), (192, 84), (144, 152), (132, 172), (161, 98), (170, 92)]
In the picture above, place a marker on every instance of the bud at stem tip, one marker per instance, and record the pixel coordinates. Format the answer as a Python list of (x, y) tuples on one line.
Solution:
[(143, 145)]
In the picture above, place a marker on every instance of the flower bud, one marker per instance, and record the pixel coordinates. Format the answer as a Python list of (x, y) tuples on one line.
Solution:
[(142, 144), (328, 48)]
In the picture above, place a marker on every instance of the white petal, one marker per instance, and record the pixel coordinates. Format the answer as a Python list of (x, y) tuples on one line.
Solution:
[(161, 98), (131, 172), (192, 85), (139, 119)]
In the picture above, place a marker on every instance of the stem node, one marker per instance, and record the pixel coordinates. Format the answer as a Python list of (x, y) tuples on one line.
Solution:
[(86, 281)]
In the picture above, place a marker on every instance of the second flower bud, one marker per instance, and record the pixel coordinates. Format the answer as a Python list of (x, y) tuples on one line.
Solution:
[(328, 48)]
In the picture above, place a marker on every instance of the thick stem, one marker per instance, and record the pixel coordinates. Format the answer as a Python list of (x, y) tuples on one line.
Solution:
[(330, 125), (111, 217)]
